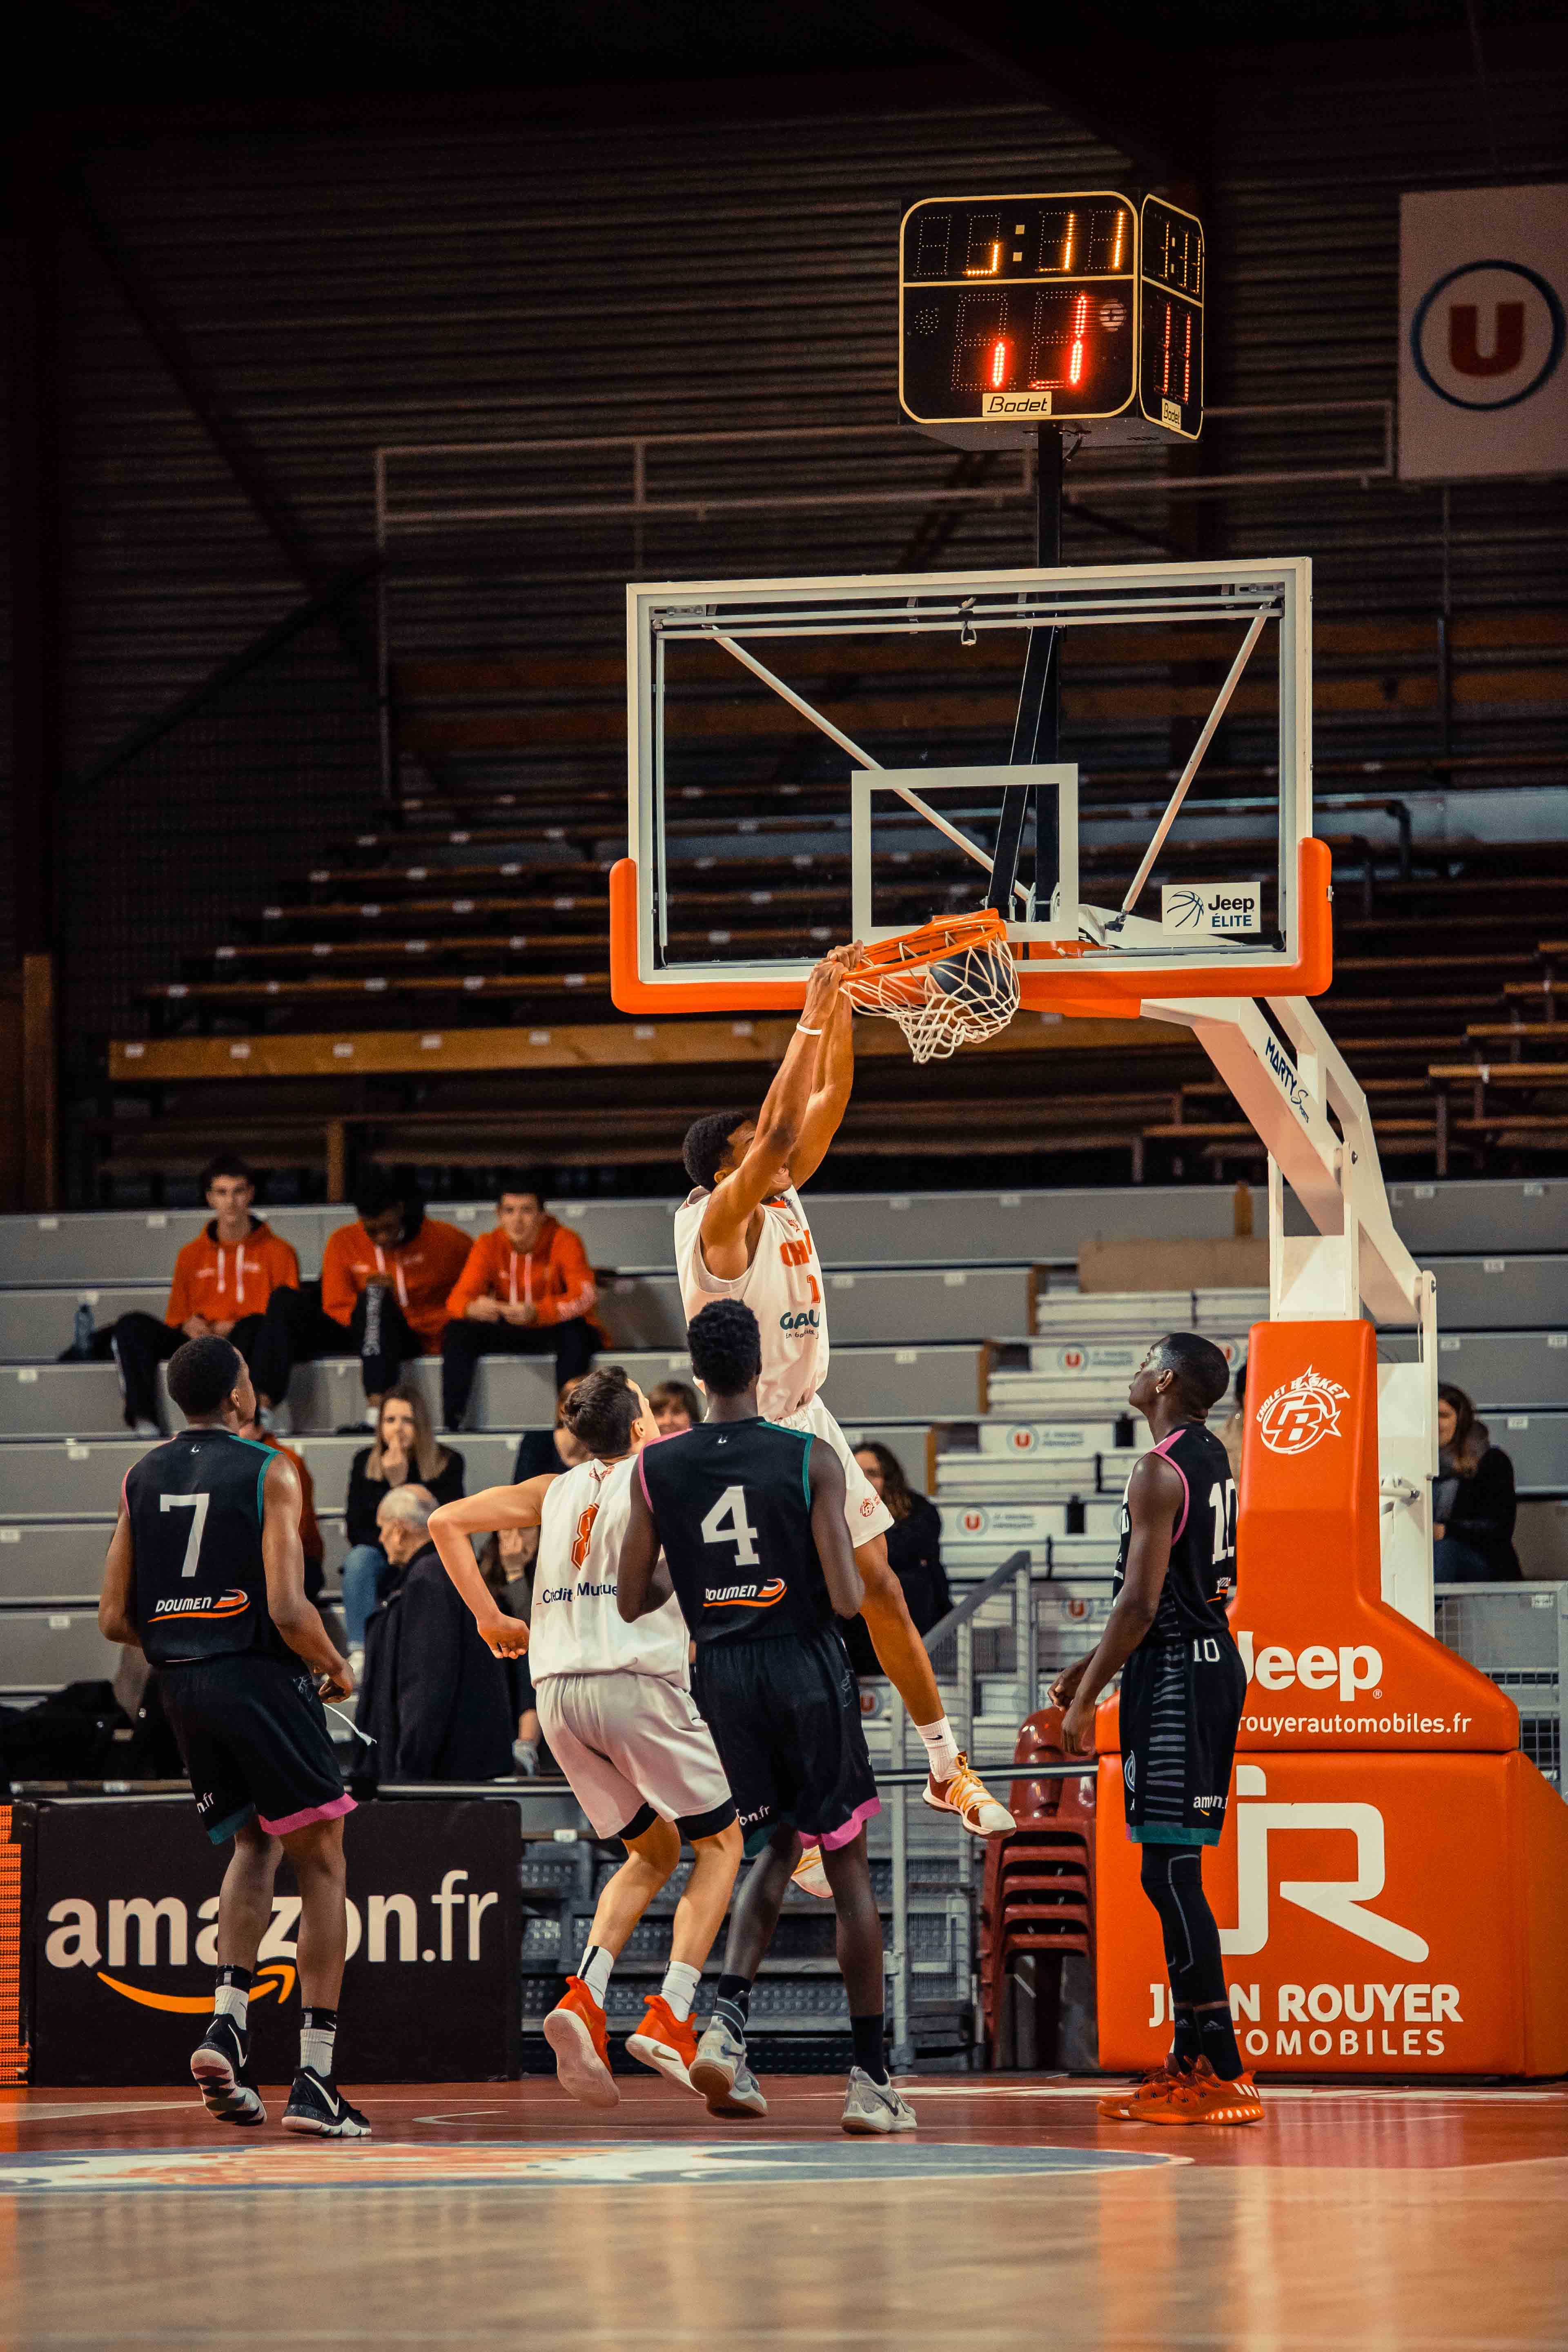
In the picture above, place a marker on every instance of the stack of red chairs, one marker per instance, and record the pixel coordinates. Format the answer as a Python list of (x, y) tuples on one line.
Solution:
[(1040, 1882)]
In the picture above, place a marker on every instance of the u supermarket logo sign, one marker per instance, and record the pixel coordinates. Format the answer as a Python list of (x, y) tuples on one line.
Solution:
[(1487, 335)]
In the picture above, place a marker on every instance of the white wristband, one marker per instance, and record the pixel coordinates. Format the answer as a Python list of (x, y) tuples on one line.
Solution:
[(802, 1031)]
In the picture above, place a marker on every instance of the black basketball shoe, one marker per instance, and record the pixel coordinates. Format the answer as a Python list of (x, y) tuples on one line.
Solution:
[(320, 2108), (219, 2069)]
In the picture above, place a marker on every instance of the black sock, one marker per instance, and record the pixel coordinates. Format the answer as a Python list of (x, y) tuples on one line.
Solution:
[(868, 2033), (732, 2003), (1185, 2049), (1217, 2041)]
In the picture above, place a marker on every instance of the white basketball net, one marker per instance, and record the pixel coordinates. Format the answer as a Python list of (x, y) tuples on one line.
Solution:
[(966, 996)]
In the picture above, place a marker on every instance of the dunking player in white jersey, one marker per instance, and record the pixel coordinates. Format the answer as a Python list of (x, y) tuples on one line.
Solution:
[(743, 1234), (616, 1705)]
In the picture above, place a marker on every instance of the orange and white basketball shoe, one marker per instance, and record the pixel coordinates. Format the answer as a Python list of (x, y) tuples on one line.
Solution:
[(1136, 2105), (1202, 2098), (966, 1794), (666, 2042), (576, 2031), (810, 1876)]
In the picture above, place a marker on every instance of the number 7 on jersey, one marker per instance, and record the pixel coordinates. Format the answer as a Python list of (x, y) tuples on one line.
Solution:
[(197, 1506)]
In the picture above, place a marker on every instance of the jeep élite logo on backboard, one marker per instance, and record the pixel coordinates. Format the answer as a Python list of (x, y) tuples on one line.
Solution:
[(1207, 911)]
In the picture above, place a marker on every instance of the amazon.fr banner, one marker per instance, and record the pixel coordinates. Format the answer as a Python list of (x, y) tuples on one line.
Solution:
[(120, 1943)]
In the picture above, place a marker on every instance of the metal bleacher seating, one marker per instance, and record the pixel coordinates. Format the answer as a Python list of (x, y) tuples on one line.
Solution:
[(1001, 1388)]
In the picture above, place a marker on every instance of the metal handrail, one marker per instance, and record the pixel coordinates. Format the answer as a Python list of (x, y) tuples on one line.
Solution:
[(640, 507), (963, 1611)]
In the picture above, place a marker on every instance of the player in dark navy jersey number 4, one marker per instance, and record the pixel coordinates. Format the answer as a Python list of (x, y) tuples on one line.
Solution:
[(751, 1519), (206, 1575), (1183, 1689)]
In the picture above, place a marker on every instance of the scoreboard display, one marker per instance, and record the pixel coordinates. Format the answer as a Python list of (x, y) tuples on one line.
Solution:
[(1018, 311)]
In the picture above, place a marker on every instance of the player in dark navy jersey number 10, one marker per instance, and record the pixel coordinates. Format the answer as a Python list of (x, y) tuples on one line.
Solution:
[(1183, 1689), (205, 1573), (751, 1519)]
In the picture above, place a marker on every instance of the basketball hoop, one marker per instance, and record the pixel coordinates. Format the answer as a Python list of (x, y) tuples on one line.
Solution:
[(951, 982)]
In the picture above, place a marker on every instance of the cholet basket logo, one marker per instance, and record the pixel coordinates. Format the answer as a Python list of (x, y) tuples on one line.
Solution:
[(1301, 1412)]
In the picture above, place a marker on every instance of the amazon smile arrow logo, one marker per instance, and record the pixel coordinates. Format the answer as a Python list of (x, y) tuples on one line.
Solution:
[(277, 1977)]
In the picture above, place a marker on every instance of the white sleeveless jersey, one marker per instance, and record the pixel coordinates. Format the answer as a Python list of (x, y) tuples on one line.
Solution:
[(782, 1286), (575, 1627)]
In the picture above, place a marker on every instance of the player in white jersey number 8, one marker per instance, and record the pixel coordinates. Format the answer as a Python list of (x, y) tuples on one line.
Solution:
[(743, 1234)]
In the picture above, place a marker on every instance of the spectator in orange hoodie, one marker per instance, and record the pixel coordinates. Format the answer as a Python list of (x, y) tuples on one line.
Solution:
[(527, 1290), (223, 1283), (381, 1295)]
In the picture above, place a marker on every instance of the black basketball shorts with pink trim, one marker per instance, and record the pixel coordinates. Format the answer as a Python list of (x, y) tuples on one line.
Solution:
[(784, 1712), (253, 1733)]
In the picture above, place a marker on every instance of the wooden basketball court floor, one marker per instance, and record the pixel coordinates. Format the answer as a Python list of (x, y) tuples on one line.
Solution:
[(499, 2213)]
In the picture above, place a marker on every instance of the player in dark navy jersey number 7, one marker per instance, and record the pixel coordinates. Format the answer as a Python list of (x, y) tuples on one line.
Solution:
[(751, 1519), (1183, 1689), (205, 1573)]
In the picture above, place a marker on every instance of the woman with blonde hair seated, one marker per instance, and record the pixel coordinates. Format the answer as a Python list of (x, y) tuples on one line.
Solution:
[(405, 1449)]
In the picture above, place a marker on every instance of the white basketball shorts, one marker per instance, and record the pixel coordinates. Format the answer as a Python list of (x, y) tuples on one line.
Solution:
[(629, 1741), (867, 1515)]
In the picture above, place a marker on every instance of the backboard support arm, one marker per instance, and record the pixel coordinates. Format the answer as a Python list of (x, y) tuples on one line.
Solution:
[(1036, 727), (1292, 1083)]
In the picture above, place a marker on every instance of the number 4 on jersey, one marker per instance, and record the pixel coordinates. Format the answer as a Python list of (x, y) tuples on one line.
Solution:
[(727, 1523)]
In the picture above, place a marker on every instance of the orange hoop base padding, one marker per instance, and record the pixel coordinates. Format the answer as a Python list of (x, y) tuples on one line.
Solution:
[(1044, 982), (1392, 1882)]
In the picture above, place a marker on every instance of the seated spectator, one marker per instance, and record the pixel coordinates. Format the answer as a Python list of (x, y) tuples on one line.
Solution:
[(405, 1453), (381, 1295), (914, 1553), (310, 1542), (675, 1407), (1473, 1505), (223, 1283), (505, 1562), (435, 1701), (526, 1290), (548, 1452)]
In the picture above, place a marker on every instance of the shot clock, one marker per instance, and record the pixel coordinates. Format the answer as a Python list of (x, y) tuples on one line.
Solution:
[(1021, 310)]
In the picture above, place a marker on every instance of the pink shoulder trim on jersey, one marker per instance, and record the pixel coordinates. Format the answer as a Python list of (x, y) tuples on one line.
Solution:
[(328, 1812), (642, 1479), (1186, 1490)]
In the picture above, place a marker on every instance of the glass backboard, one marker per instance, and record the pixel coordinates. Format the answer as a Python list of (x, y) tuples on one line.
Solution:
[(820, 759)]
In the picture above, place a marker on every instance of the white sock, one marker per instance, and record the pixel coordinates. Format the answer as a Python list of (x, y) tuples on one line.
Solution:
[(940, 1746), (318, 2037), (233, 2000), (680, 1987), (593, 1970)]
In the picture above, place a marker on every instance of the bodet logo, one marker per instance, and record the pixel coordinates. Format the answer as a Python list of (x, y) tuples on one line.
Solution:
[(1372, 2018), (147, 1933)]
